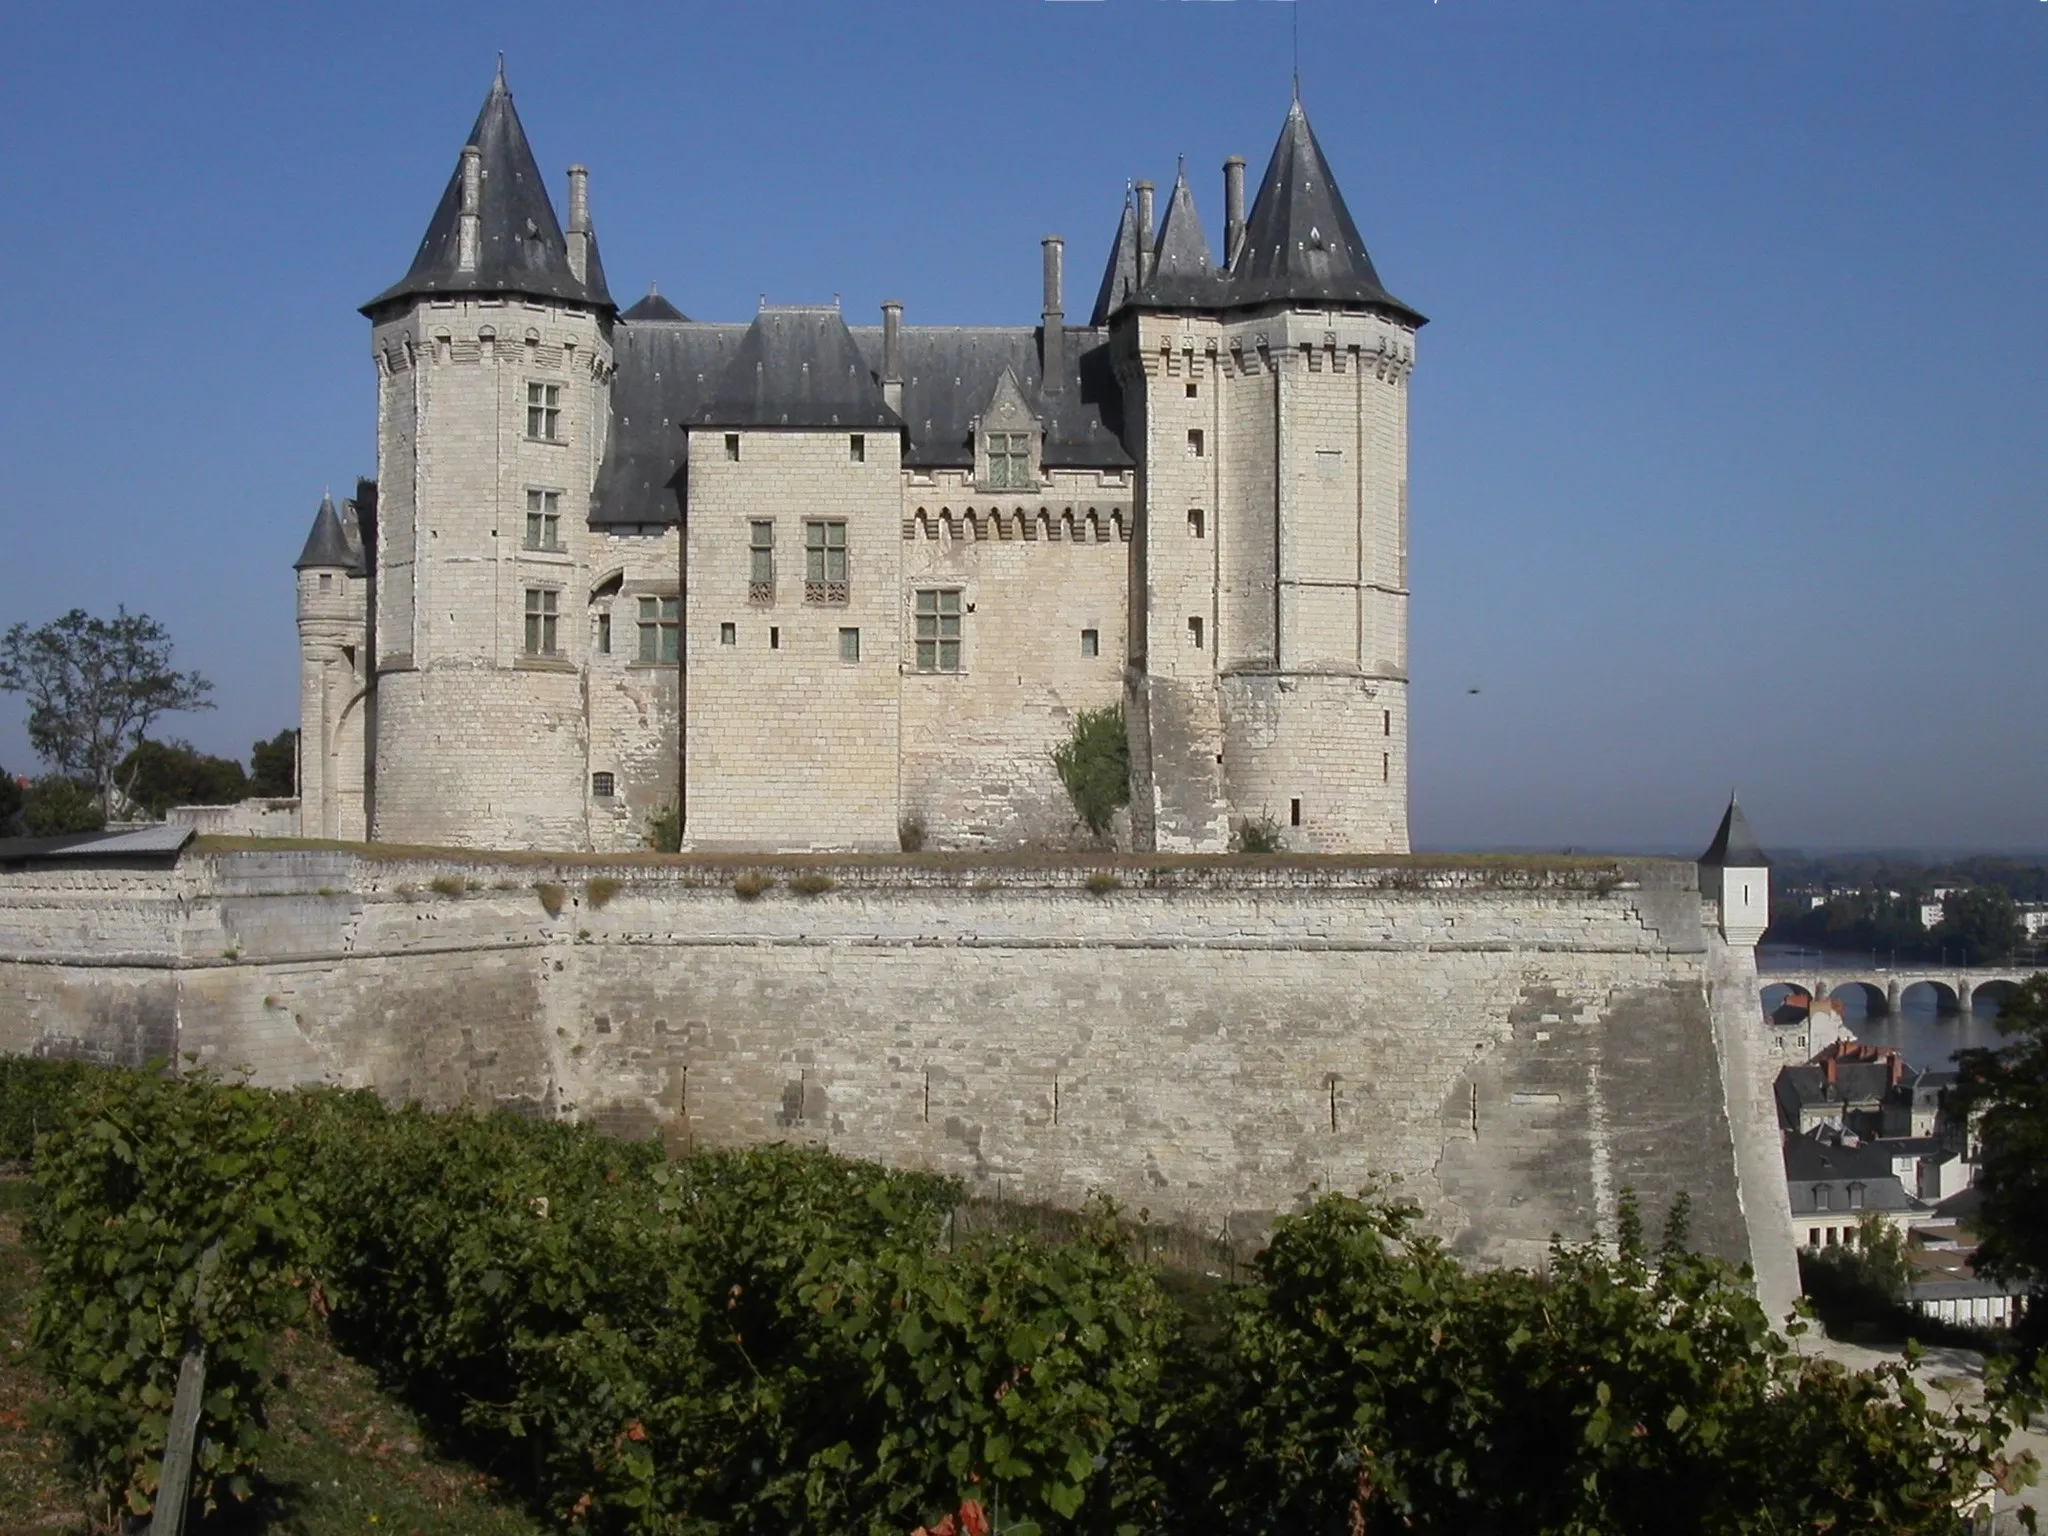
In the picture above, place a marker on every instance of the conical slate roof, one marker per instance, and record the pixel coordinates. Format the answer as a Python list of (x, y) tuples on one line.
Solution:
[(521, 249), (1120, 277), (798, 368), (1300, 244), (327, 546), (1300, 241), (1735, 846)]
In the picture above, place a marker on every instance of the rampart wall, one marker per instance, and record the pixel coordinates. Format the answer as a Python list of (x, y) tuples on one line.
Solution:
[(1510, 1045)]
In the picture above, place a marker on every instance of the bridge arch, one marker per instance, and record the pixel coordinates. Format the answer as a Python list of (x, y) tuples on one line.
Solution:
[(1988, 998), (1915, 995), (1869, 997)]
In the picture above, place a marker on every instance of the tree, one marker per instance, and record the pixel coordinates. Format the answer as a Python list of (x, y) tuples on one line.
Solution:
[(2008, 1088), (274, 766), (55, 805), (1981, 923), (1095, 765), (12, 793), (94, 687), (160, 774)]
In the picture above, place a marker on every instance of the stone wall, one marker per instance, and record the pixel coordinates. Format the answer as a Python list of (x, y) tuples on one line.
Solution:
[(1510, 1045)]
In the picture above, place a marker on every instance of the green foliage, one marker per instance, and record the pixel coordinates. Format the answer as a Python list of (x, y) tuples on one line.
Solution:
[(94, 687), (553, 897), (1094, 762), (1373, 1383), (752, 885), (35, 1096), (665, 830), (56, 805), (1101, 882), (1978, 925), (12, 793), (274, 766), (157, 775), (812, 883), (1256, 835), (1859, 1287), (448, 885), (598, 890), (2005, 1092), (150, 1174)]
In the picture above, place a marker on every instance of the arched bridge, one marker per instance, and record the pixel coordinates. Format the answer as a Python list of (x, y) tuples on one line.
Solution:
[(1884, 987)]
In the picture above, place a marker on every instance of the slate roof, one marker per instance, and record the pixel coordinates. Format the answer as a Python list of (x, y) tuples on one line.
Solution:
[(157, 842), (1120, 277), (1300, 244), (797, 368), (653, 307), (521, 250), (1810, 1161), (327, 546), (1734, 845), (671, 374)]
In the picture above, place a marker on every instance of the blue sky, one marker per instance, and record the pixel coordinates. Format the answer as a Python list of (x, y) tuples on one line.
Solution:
[(1728, 465)]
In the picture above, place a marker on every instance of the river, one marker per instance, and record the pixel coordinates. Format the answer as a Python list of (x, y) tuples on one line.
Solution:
[(1923, 1036)]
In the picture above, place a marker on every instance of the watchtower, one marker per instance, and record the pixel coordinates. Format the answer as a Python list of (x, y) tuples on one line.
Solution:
[(494, 360)]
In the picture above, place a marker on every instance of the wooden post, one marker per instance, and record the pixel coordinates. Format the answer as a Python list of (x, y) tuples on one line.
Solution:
[(174, 1480)]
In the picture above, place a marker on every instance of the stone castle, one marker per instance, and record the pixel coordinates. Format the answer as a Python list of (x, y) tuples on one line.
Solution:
[(806, 585)]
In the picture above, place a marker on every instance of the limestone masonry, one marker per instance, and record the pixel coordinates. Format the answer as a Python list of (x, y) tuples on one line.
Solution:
[(816, 586), (1511, 1045)]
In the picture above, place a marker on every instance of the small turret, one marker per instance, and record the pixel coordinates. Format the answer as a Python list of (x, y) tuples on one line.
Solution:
[(1735, 872)]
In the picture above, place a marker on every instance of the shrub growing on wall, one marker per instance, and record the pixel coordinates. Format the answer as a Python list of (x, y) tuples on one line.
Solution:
[(1094, 762)]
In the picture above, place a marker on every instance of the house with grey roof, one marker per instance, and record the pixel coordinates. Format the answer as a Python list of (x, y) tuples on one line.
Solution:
[(792, 580)]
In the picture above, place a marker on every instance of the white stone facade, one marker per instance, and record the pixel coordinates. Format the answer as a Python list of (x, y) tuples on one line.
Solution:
[(1229, 565)]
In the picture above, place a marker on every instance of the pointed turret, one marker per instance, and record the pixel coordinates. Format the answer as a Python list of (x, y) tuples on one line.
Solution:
[(1182, 272), (1300, 242), (797, 367), (327, 547), (1120, 278), (495, 230), (1735, 873), (653, 307)]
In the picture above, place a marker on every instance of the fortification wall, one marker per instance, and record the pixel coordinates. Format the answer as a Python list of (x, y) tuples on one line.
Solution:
[(1511, 1046)]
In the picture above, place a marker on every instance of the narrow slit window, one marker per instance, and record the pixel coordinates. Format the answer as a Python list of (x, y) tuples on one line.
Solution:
[(849, 645), (1091, 642), (1196, 447), (604, 633), (1386, 767), (732, 447), (1294, 813), (1194, 632), (857, 448), (1386, 722), (774, 638), (728, 634), (1196, 522)]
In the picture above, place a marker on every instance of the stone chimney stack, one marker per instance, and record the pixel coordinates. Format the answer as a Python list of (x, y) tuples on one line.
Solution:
[(579, 221), (892, 354), (1233, 208), (1052, 346), (469, 231), (1144, 233)]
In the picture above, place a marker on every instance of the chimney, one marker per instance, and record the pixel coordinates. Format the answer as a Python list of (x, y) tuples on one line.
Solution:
[(1144, 233), (469, 230), (579, 221), (892, 354), (1052, 345), (1233, 208)]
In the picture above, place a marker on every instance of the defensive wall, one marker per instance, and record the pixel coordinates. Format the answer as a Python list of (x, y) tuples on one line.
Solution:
[(1510, 1043)]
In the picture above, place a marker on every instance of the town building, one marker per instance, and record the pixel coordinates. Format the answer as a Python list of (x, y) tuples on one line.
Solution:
[(795, 583)]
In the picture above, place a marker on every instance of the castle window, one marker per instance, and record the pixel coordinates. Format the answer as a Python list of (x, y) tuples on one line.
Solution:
[(1194, 390), (658, 628), (849, 645), (1386, 767), (603, 785), (544, 412), (1009, 461), (1855, 1197), (544, 520), (1195, 444), (542, 616), (857, 448), (1294, 813), (326, 581), (1823, 1200), (1091, 642), (604, 632), (728, 634), (761, 562), (1194, 632), (938, 629), (774, 637), (1195, 522), (732, 447), (1386, 722), (824, 562)]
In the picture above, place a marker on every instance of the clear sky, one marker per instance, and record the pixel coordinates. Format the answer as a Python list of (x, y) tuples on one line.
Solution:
[(1728, 460)]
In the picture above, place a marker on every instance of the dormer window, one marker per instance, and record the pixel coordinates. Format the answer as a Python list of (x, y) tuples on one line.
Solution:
[(1009, 461)]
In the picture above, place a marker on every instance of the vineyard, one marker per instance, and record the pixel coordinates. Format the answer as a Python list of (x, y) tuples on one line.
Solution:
[(776, 1340)]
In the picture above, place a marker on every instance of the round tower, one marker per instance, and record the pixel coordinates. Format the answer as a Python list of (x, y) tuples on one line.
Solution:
[(493, 359), (333, 665)]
